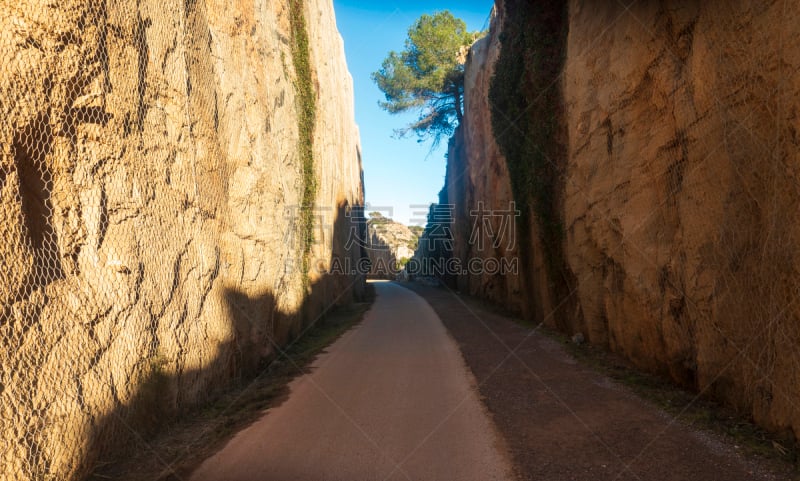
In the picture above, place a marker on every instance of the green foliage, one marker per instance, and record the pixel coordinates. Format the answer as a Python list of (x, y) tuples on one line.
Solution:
[(376, 218), (526, 106), (428, 75), (401, 264), (306, 110)]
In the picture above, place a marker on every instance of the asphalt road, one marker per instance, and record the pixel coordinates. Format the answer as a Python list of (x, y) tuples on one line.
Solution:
[(390, 400)]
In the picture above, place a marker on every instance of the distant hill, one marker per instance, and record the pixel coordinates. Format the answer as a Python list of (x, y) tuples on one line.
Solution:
[(391, 244)]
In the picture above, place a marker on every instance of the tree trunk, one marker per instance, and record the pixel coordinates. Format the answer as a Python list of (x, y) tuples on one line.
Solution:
[(458, 96)]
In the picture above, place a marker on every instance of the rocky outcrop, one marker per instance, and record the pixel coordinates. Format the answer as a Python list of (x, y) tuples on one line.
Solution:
[(152, 175), (658, 185), (389, 245)]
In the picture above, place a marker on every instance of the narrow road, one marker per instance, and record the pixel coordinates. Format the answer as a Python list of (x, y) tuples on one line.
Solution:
[(390, 400)]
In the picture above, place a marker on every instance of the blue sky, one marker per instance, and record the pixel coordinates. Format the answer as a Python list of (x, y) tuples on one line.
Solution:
[(397, 174)]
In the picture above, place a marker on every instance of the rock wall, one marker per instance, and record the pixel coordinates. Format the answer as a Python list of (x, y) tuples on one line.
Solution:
[(672, 173), (504, 251), (478, 184), (382, 259), (682, 193), (151, 179)]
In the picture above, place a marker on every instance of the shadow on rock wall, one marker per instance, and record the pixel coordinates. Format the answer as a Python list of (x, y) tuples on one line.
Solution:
[(170, 389)]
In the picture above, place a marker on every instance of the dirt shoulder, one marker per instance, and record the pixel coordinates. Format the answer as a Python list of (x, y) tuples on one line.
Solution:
[(563, 420)]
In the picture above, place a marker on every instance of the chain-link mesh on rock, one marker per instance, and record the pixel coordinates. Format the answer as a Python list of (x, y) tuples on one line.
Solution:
[(149, 158)]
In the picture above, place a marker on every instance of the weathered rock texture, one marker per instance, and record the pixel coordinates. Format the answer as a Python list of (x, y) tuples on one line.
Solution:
[(682, 193), (150, 184), (389, 243), (477, 184), (497, 213), (675, 182)]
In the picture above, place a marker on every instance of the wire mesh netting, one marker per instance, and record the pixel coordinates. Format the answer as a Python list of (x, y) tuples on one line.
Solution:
[(149, 158), (658, 172)]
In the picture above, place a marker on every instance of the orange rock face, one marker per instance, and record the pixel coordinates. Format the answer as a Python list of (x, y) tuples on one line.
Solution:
[(477, 184), (680, 193), (150, 181)]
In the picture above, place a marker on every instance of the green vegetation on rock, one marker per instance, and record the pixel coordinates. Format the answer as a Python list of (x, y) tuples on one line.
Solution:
[(526, 107), (306, 122)]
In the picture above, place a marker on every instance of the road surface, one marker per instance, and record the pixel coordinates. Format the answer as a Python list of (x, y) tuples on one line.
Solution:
[(390, 400)]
